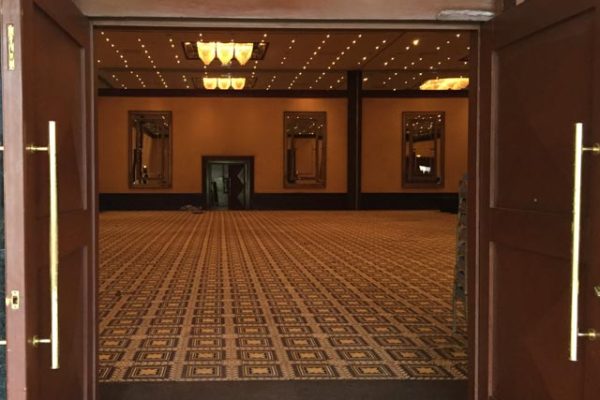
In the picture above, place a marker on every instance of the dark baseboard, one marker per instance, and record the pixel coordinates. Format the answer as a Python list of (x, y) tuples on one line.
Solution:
[(299, 201), (288, 390), (148, 201), (445, 202)]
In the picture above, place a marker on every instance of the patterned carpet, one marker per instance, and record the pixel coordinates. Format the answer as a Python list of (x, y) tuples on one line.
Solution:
[(278, 295)]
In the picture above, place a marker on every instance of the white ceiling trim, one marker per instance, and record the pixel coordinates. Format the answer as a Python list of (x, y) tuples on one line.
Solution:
[(359, 10)]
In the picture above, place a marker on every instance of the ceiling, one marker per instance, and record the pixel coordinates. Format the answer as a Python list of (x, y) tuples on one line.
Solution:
[(294, 60), (278, 9)]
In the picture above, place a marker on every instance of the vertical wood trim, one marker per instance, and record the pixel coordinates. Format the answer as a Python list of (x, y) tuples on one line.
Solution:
[(14, 173), (354, 139), (472, 216), (93, 204), (480, 197)]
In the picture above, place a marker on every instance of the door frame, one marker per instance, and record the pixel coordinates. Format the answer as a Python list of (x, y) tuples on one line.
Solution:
[(478, 300), (248, 161)]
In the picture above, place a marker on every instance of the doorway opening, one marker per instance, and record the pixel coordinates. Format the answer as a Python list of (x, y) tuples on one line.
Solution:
[(227, 182), (359, 298)]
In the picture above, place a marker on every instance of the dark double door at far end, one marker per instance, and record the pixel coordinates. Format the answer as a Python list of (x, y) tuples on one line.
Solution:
[(228, 184)]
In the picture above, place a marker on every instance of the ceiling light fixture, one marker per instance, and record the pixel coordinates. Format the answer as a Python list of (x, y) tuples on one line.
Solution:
[(445, 84), (224, 83), (225, 52)]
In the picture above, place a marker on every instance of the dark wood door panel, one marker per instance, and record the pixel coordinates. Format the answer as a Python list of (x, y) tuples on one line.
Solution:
[(68, 381), (531, 311), (59, 82), (545, 74), (50, 82), (543, 233), (539, 77)]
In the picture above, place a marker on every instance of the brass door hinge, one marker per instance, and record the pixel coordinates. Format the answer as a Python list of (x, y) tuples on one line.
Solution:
[(10, 35)]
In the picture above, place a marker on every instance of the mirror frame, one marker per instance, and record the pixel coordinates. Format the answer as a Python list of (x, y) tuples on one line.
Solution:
[(318, 183), (169, 165), (438, 180)]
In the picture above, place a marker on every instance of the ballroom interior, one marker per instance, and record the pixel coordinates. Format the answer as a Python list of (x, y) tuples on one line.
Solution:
[(282, 205)]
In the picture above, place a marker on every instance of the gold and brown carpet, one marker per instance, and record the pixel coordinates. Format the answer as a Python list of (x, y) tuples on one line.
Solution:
[(278, 295)]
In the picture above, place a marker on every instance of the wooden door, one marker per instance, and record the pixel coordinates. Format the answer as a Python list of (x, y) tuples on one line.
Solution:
[(539, 76), (46, 77), (237, 186)]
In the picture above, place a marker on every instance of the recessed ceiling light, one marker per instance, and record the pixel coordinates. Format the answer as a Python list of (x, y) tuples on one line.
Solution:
[(416, 42)]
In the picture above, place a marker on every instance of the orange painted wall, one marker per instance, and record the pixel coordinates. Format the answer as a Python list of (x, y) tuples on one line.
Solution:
[(219, 127), (382, 142)]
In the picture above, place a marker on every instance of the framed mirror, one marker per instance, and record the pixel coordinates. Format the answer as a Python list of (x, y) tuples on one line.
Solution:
[(305, 135), (423, 149), (150, 144)]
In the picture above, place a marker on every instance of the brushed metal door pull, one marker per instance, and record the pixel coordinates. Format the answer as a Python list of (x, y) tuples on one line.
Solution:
[(592, 334), (575, 334), (53, 341)]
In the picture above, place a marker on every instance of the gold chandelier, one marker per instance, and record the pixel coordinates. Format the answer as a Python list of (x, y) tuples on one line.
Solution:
[(225, 52), (224, 83)]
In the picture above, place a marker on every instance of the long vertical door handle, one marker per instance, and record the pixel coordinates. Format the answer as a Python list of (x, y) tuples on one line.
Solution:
[(53, 247), (575, 251)]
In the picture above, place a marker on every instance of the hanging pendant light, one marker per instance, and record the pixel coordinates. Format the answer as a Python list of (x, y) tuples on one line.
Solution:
[(224, 83), (243, 52), (225, 52), (209, 83), (238, 83), (206, 51)]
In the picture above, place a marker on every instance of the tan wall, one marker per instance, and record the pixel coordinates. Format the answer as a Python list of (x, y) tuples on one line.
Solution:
[(382, 142), (215, 127)]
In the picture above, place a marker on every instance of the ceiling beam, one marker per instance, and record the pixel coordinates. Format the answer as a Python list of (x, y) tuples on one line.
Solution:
[(271, 71)]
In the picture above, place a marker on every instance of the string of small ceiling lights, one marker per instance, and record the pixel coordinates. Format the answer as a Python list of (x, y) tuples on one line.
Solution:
[(411, 68)]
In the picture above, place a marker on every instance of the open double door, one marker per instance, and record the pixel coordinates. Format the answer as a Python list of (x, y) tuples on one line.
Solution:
[(539, 74)]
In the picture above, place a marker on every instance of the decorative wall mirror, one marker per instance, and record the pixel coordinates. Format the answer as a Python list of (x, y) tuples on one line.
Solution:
[(423, 149), (150, 146), (305, 152)]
